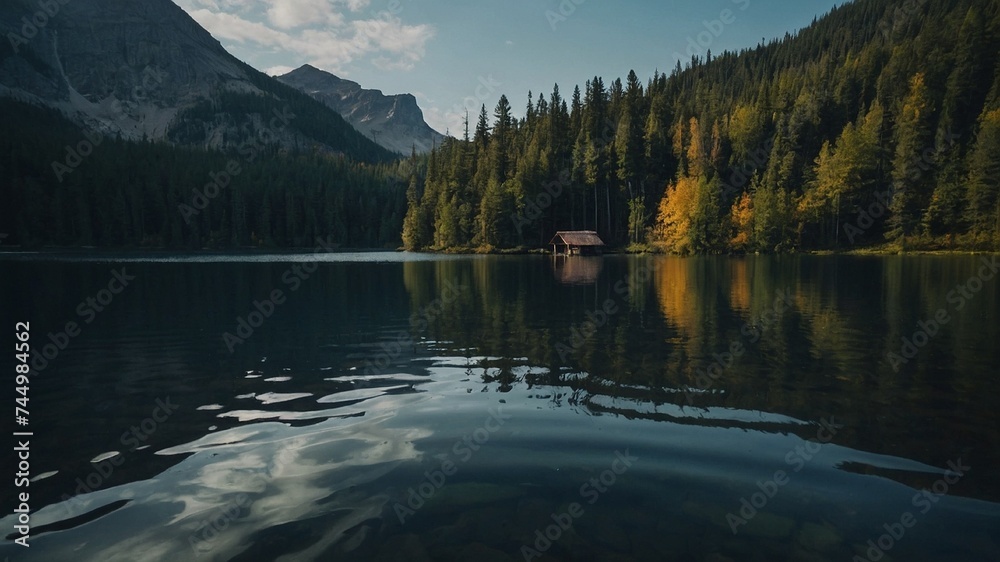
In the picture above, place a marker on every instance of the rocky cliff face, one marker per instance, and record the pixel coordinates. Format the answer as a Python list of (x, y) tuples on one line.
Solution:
[(141, 69), (122, 67), (395, 122)]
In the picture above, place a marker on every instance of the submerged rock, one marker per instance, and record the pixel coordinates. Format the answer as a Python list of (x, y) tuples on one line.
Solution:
[(668, 542), (457, 497), (711, 513), (801, 555), (488, 525), (762, 525), (449, 535), (862, 551), (357, 539), (768, 525), (605, 531), (482, 553), (535, 510), (402, 548), (819, 538)]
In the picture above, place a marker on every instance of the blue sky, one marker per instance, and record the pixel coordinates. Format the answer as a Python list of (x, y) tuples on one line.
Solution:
[(457, 55)]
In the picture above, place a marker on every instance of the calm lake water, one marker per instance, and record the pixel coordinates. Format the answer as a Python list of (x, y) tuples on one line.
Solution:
[(405, 407)]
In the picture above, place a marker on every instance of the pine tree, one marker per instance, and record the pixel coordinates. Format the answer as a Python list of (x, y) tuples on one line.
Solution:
[(984, 179), (656, 137), (629, 136), (911, 180)]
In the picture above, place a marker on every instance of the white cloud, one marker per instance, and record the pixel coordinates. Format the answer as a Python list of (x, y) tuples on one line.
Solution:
[(235, 28), (216, 5), (435, 118), (388, 65), (329, 34), (278, 70), (292, 14), (356, 5), (450, 120), (390, 34)]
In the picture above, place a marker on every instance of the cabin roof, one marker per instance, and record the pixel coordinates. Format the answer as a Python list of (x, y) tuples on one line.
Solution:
[(577, 238)]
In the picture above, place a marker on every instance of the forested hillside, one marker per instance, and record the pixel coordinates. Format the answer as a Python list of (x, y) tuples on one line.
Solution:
[(230, 114), (877, 125), (156, 136), (66, 187)]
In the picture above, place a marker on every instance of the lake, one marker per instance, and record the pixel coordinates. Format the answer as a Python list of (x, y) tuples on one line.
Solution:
[(389, 406)]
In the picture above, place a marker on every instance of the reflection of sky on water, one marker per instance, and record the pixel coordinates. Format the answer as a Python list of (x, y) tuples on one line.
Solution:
[(288, 473), (319, 448), (339, 472)]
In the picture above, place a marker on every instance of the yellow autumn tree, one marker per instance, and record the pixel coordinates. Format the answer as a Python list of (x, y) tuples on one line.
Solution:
[(741, 218), (673, 220), (697, 155)]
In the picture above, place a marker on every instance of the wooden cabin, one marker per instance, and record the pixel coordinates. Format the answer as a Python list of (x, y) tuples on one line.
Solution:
[(577, 243)]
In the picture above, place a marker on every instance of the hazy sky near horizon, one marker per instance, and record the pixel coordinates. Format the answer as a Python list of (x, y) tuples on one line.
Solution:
[(455, 56)]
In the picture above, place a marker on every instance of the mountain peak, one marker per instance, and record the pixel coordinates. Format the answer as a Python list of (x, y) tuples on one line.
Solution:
[(394, 121), (148, 70)]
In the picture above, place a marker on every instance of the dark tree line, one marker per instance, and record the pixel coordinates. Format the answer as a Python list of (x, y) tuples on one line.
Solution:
[(118, 193), (878, 124)]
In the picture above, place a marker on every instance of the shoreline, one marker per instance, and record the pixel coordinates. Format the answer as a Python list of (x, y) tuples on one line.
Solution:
[(520, 251)]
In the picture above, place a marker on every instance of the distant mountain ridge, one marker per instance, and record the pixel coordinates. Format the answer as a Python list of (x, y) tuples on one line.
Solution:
[(146, 70), (394, 121)]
